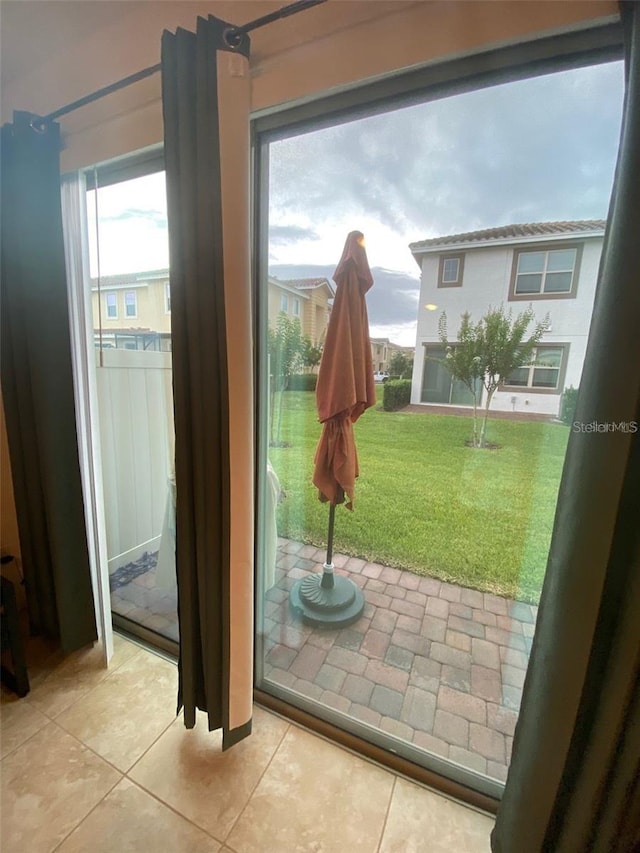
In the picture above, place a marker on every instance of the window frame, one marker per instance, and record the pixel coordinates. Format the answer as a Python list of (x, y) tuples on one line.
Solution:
[(562, 371), (459, 257), (295, 310), (107, 294), (167, 297), (127, 315), (284, 303), (558, 246)]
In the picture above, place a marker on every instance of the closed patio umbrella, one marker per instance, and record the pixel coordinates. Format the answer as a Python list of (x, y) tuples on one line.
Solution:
[(345, 389)]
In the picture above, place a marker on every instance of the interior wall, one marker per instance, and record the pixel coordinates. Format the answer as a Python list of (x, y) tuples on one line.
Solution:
[(55, 52)]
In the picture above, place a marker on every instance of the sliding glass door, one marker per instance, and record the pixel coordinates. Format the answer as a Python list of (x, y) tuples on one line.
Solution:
[(131, 317), (447, 541)]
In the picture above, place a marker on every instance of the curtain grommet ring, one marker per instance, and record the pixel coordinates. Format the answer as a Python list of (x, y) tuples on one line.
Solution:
[(38, 125), (232, 37)]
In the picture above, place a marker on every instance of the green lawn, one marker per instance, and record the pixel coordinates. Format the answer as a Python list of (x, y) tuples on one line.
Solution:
[(427, 502)]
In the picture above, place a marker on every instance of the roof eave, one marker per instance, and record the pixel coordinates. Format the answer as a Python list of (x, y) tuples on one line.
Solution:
[(417, 250)]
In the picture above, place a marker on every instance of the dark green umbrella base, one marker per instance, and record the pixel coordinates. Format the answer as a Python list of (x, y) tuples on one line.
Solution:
[(327, 600)]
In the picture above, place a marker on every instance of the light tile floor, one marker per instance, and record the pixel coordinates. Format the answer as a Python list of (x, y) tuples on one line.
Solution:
[(94, 759)]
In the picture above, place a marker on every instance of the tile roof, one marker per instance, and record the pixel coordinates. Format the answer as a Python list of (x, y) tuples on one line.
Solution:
[(306, 283), (132, 277), (530, 229)]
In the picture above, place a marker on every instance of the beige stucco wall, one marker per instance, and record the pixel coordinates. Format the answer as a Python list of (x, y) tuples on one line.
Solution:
[(53, 53), (315, 314), (314, 309), (150, 305)]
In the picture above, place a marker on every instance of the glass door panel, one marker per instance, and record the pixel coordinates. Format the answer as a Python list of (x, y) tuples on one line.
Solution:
[(447, 542), (132, 338)]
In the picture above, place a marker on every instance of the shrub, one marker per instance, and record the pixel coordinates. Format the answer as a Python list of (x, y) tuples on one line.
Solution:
[(568, 405), (396, 395), (302, 382)]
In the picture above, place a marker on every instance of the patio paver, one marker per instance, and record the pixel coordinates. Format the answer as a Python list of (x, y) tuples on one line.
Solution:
[(435, 664)]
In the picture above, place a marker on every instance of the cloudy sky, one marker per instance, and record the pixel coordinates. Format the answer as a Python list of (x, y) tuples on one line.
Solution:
[(537, 150)]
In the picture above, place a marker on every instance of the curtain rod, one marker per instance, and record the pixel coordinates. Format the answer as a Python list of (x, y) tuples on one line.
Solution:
[(233, 37)]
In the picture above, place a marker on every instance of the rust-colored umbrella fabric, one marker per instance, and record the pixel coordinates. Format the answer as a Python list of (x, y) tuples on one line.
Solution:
[(345, 385)]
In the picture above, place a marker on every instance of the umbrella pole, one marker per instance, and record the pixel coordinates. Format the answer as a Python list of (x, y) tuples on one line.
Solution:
[(323, 599), (327, 581), (332, 521)]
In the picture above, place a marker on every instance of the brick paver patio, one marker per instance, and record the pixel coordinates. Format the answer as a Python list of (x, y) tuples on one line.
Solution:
[(435, 664), (438, 665)]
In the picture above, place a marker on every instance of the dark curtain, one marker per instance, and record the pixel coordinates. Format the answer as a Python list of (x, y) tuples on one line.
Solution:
[(37, 388), (205, 90), (574, 780)]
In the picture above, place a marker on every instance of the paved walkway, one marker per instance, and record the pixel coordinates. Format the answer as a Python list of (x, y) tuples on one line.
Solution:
[(465, 412), (435, 664)]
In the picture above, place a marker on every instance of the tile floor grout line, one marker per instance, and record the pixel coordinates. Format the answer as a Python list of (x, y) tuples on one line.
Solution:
[(255, 787), (110, 763), (172, 808), (122, 775), (88, 814), (153, 743), (386, 817), (89, 748), (31, 736), (108, 673)]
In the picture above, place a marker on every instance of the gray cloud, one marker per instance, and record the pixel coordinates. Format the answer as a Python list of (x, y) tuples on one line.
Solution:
[(392, 300), (157, 218), (280, 235), (534, 150)]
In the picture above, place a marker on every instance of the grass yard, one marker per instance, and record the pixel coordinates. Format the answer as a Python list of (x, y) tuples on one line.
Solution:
[(425, 501)]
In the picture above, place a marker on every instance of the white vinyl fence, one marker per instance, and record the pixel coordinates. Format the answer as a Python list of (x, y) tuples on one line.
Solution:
[(137, 442)]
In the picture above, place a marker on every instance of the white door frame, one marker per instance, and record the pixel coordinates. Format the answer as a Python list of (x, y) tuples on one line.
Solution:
[(74, 212)]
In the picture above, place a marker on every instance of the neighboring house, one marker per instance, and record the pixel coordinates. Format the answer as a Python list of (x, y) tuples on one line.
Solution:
[(308, 299), (552, 266), (382, 351), (132, 310)]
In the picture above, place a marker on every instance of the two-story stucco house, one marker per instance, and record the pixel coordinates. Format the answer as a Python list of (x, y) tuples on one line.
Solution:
[(551, 266), (132, 310), (308, 299)]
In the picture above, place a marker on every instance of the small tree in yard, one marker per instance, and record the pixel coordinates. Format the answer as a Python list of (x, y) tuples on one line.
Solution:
[(399, 365), (489, 351), (286, 346), (464, 361), (311, 354)]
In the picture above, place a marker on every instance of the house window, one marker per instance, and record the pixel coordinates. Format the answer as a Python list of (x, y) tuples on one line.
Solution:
[(545, 272), (167, 298), (284, 303), (545, 371), (130, 304), (450, 271), (112, 305), (296, 307)]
